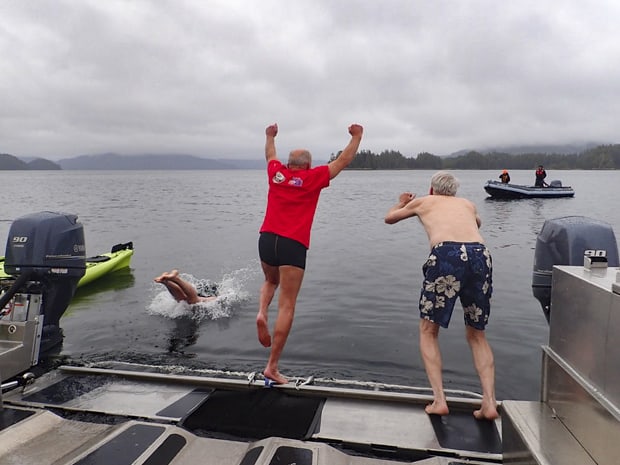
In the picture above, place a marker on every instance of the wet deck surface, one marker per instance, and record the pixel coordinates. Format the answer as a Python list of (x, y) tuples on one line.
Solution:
[(179, 416)]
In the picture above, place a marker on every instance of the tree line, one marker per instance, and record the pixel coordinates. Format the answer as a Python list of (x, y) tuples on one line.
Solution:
[(603, 157)]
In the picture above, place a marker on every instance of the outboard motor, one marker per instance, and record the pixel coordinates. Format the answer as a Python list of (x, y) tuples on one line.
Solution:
[(565, 241), (47, 255)]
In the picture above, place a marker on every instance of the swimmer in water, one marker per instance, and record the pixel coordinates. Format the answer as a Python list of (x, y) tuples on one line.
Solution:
[(181, 290)]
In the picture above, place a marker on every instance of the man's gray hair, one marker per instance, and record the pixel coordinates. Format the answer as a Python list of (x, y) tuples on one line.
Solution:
[(444, 183), (300, 158)]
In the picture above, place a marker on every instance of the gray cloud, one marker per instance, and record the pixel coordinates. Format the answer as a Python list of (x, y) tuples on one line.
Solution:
[(206, 77)]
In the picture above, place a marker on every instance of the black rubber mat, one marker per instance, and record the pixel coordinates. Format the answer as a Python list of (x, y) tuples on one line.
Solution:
[(251, 456), (66, 389), (10, 416), (185, 404), (167, 450), (461, 431), (125, 448), (285, 455), (257, 414)]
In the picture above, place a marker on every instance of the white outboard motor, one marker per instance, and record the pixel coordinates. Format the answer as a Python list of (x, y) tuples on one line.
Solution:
[(565, 241), (45, 252)]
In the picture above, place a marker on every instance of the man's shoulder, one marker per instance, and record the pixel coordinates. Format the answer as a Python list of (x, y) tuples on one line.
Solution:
[(273, 165), (445, 198), (323, 176), (448, 200)]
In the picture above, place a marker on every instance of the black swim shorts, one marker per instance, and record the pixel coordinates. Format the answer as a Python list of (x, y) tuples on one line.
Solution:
[(277, 250)]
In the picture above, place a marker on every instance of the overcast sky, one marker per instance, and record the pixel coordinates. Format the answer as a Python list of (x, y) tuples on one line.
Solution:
[(205, 77)]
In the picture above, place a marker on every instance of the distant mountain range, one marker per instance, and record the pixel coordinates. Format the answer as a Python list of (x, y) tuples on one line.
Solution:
[(114, 161), (9, 162), (520, 149)]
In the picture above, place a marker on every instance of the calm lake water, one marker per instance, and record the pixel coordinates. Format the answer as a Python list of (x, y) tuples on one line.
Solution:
[(357, 314)]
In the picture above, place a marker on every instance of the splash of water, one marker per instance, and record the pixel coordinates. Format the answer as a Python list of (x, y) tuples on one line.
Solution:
[(230, 291)]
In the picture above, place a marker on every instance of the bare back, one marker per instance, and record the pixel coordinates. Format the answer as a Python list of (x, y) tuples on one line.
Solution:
[(446, 218)]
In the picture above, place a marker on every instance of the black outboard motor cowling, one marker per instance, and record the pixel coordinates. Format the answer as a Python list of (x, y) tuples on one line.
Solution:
[(46, 243), (564, 241), (47, 248)]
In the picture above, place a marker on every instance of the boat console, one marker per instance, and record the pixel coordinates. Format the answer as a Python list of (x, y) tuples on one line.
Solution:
[(577, 420), (20, 334)]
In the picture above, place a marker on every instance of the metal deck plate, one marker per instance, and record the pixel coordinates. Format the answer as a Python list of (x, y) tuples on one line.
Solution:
[(407, 427), (112, 396), (342, 426)]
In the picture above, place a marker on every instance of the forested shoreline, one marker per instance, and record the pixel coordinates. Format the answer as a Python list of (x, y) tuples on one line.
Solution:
[(603, 157)]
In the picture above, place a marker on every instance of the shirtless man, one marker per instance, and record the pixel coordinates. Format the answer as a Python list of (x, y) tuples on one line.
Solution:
[(459, 265), (180, 289), (294, 190)]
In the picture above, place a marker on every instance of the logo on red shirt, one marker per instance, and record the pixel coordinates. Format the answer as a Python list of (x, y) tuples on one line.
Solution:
[(279, 178)]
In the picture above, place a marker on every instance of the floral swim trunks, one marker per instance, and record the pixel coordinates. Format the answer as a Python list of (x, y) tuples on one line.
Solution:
[(456, 269)]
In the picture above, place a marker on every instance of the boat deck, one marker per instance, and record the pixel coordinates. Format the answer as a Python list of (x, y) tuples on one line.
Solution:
[(85, 416), (97, 416)]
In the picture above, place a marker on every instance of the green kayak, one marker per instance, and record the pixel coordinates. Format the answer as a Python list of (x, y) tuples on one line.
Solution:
[(118, 258)]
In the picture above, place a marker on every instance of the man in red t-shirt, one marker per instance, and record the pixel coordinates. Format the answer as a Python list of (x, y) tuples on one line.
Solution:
[(294, 191)]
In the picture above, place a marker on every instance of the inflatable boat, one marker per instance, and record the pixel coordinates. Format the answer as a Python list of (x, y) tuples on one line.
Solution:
[(501, 190)]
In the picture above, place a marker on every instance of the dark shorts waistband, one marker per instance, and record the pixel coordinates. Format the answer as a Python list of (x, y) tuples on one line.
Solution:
[(453, 243)]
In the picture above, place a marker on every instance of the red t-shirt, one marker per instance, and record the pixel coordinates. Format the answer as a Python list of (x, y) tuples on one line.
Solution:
[(292, 200)]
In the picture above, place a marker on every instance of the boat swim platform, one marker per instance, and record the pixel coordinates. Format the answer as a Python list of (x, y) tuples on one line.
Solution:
[(85, 416), (96, 416)]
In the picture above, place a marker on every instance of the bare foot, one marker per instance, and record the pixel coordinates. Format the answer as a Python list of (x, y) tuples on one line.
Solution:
[(169, 275), (486, 413), (275, 376), (263, 330), (437, 408)]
